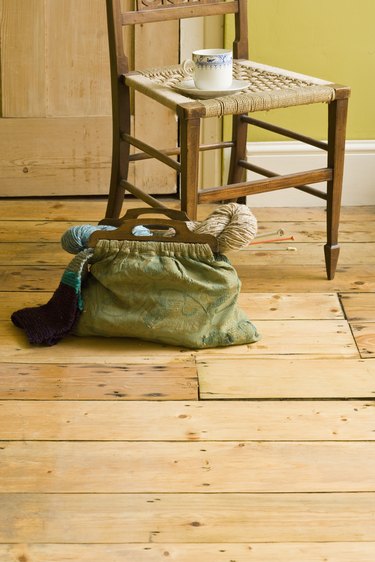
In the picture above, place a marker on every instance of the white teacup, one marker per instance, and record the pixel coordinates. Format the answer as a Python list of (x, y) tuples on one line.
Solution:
[(211, 69)]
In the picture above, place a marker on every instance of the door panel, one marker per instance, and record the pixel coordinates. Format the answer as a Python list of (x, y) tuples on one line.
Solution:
[(55, 120)]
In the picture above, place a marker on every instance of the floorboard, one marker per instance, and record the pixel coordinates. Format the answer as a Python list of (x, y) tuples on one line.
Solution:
[(209, 552), (169, 421), (127, 451), (187, 518)]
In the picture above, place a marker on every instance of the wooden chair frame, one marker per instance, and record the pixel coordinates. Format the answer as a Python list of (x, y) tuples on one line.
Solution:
[(191, 112)]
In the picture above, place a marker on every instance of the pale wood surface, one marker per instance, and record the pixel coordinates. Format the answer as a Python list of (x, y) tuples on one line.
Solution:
[(296, 378), (315, 231), (219, 552), (56, 103), (268, 306), (33, 278), (69, 158), (80, 417), (359, 308), (23, 59), (148, 379), (355, 253), (190, 518), (123, 467), (364, 335), (78, 80), (305, 278), (83, 209), (361, 313), (128, 450)]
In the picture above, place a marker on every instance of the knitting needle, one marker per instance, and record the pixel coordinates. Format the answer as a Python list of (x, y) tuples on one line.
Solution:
[(278, 232), (271, 240), (287, 249)]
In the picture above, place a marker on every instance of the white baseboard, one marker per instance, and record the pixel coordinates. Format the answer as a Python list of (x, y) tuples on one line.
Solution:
[(288, 157)]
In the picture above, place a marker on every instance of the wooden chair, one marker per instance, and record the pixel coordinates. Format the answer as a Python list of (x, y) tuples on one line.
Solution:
[(270, 88)]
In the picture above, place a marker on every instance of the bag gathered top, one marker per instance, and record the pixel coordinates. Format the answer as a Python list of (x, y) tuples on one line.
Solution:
[(159, 280)]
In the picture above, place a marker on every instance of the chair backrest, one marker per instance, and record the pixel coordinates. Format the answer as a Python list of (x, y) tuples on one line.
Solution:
[(146, 11)]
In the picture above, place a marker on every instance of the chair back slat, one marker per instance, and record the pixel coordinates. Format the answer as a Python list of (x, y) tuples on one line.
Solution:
[(162, 10), (154, 4)]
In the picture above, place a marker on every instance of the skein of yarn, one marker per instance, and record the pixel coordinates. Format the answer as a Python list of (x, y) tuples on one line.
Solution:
[(76, 238), (234, 226)]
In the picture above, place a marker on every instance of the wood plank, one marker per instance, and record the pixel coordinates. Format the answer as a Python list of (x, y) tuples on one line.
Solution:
[(30, 231), (10, 302), (78, 420), (357, 253), (359, 308), (71, 156), (305, 231), (39, 214), (309, 337), (219, 552), (294, 278), (165, 379), (289, 337), (276, 306), (237, 378), (78, 208), (30, 278), (359, 214), (186, 518), (364, 335), (23, 63), (129, 467), (14, 347), (24, 253)]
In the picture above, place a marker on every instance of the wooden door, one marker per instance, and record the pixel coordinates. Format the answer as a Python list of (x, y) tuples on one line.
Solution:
[(55, 124)]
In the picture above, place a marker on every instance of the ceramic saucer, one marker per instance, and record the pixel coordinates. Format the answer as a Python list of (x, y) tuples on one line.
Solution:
[(188, 88)]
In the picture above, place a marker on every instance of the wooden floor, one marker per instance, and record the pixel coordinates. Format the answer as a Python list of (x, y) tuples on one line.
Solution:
[(118, 450)]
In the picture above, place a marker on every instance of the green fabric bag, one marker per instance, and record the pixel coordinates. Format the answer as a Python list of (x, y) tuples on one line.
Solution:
[(167, 292)]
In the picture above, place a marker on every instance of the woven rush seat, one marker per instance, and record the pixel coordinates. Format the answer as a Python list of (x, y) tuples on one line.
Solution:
[(269, 88)]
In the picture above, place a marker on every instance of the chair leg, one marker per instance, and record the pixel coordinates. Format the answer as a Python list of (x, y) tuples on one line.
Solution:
[(120, 152), (189, 158), (239, 137), (238, 152), (337, 114)]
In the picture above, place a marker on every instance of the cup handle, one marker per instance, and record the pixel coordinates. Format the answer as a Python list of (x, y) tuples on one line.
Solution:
[(188, 67)]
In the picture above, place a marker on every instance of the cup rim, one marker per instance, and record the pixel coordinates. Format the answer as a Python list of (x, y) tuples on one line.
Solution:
[(212, 52)]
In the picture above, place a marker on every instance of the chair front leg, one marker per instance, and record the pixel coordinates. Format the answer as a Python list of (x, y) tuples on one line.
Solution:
[(189, 160), (337, 115)]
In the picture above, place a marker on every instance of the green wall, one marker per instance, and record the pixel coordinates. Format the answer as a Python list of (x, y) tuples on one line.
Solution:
[(330, 39)]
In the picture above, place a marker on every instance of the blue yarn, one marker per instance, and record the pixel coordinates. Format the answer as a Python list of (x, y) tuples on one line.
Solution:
[(76, 238)]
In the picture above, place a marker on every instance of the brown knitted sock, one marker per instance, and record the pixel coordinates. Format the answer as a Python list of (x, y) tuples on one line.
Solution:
[(48, 323)]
